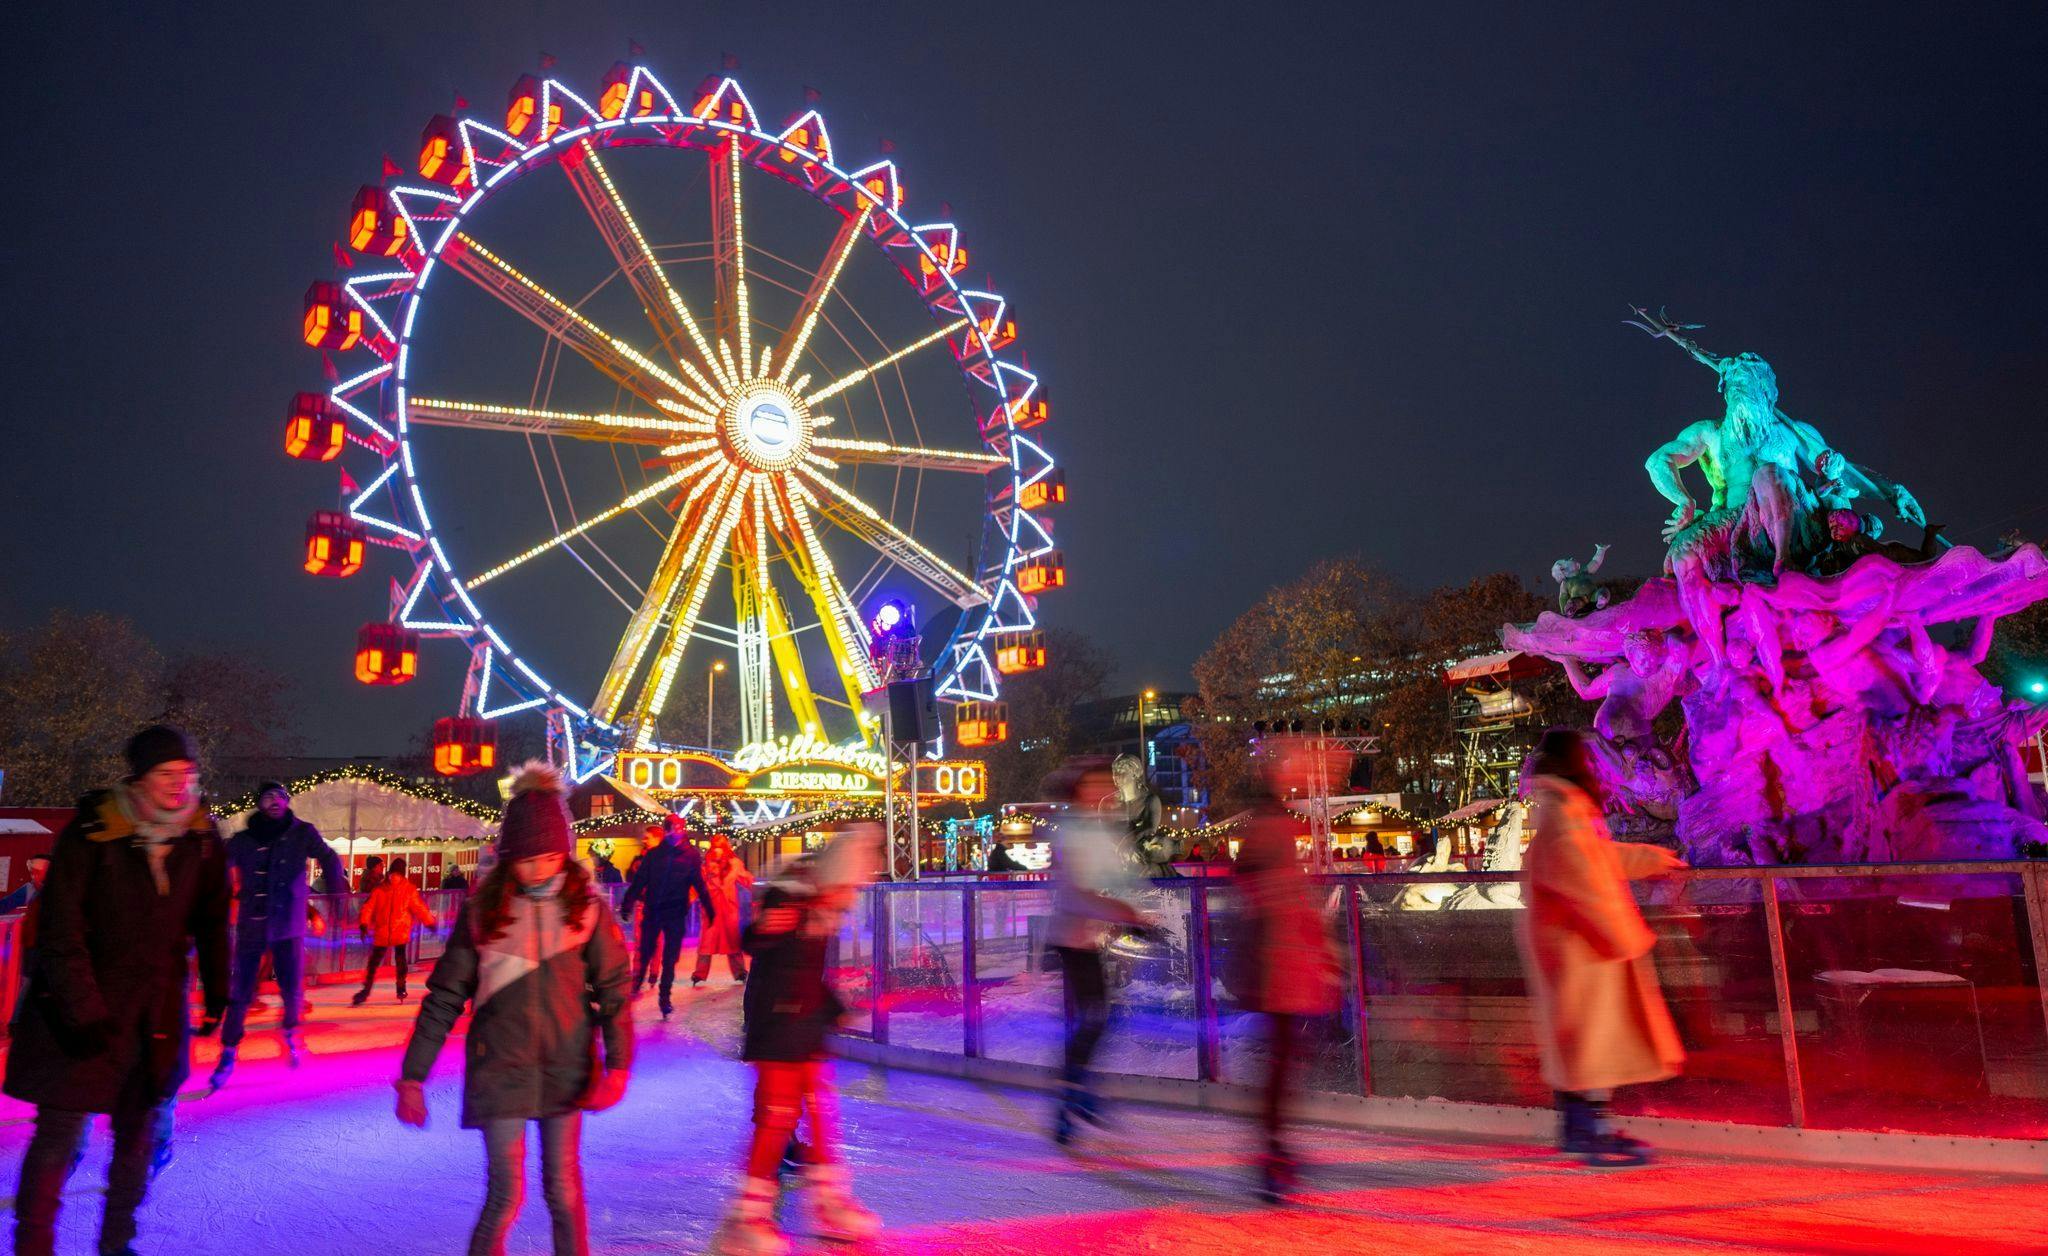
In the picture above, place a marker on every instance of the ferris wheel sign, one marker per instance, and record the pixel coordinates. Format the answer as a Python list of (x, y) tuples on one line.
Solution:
[(747, 407), (667, 774)]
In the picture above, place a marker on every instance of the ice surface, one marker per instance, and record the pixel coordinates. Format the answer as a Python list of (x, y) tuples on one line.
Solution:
[(311, 1163)]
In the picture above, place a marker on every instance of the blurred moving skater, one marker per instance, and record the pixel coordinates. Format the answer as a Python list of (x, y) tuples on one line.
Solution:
[(725, 876), (1290, 969), (387, 918), (540, 955), (789, 1009), (268, 861), (138, 880), (1599, 1013), (1095, 887)]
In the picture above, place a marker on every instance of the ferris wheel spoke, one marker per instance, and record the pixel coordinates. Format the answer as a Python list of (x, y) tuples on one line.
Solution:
[(685, 543), (654, 696), (814, 570), (630, 429), (671, 318), (630, 502), (632, 370), (798, 336), (840, 449), (853, 515), (845, 382), (733, 322)]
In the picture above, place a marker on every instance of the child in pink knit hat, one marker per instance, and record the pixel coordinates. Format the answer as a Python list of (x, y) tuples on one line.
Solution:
[(539, 956)]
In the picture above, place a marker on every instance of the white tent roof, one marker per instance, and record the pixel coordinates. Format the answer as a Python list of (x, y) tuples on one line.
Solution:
[(367, 812)]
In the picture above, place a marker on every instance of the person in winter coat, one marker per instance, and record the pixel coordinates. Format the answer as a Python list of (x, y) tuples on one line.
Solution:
[(1600, 1015), (267, 860), (138, 881), (725, 876), (25, 893), (388, 916), (455, 879), (1095, 891), (1289, 958), (373, 875), (789, 1010), (538, 957), (670, 871)]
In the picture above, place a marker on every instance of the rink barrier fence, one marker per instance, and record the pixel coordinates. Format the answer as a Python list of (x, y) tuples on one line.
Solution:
[(1869, 1013)]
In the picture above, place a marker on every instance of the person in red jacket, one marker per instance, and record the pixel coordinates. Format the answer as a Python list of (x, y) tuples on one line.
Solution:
[(387, 918), (1290, 969)]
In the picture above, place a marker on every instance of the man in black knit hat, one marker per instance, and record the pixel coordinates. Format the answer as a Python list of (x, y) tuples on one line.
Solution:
[(138, 880), (269, 858)]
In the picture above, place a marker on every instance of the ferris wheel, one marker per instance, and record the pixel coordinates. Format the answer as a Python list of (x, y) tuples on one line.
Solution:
[(731, 455)]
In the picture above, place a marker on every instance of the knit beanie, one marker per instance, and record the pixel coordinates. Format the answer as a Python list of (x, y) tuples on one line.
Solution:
[(266, 787), (155, 746), (537, 819)]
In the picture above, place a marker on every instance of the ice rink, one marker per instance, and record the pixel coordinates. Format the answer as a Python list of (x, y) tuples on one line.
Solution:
[(311, 1163)]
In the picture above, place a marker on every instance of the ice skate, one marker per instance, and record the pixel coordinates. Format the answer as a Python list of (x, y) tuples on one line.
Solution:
[(1584, 1135), (359, 998), (748, 1228), (1279, 1175), (294, 1048), (223, 1069), (838, 1215), (1063, 1128)]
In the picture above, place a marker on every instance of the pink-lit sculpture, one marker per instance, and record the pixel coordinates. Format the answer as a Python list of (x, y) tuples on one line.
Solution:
[(1835, 717)]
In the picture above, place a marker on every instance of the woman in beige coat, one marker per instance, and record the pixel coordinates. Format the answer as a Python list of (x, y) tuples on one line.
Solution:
[(1599, 1013)]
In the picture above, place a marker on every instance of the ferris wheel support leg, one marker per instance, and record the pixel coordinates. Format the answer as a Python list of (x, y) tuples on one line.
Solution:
[(814, 571), (663, 592), (654, 695), (789, 661)]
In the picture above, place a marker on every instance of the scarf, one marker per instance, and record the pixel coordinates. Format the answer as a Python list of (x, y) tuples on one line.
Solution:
[(155, 830), (541, 891)]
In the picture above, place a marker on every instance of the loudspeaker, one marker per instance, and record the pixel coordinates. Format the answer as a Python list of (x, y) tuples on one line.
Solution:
[(913, 710)]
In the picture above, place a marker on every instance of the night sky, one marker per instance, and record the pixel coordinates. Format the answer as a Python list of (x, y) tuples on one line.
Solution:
[(1303, 279)]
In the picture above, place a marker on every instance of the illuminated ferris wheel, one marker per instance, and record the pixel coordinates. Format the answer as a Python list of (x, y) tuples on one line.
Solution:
[(738, 439)]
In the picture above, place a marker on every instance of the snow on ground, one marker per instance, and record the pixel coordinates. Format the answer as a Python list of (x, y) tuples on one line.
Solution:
[(311, 1162)]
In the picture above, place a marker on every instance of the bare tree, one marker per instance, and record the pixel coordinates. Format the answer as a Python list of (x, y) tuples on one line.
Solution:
[(72, 691)]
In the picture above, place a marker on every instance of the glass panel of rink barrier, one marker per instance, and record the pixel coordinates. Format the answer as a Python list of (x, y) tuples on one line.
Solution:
[(1021, 996), (1917, 1001), (1713, 961), (1448, 1013), (922, 984), (1153, 1022), (850, 964), (1326, 1057)]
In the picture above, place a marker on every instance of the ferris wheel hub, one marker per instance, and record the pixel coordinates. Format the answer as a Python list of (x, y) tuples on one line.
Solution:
[(765, 426)]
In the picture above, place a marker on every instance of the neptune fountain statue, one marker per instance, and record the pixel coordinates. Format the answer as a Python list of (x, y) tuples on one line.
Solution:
[(1827, 679)]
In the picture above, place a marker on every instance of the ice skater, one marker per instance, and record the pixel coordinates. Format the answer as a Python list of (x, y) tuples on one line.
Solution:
[(1095, 890), (726, 877), (387, 919), (268, 861), (789, 1010), (1289, 960), (670, 871), (138, 882), (538, 956), (1600, 1016)]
